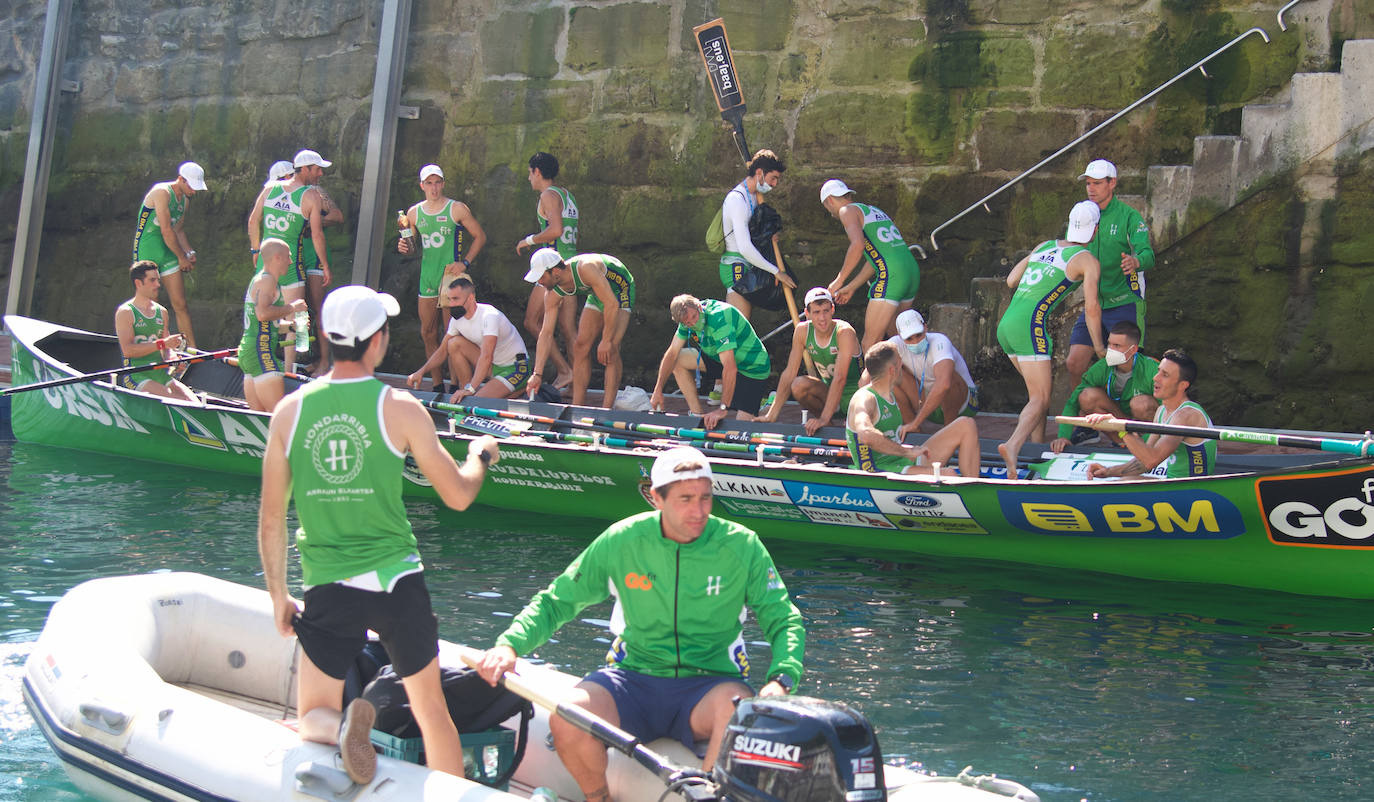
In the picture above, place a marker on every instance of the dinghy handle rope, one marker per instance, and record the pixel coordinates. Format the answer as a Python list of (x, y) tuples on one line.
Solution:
[(993, 784)]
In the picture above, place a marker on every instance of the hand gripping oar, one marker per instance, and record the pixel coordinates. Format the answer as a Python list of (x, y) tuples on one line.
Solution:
[(1362, 448), (699, 787), (792, 308), (86, 377)]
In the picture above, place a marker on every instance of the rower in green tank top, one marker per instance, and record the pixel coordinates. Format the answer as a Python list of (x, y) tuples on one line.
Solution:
[(559, 222), (833, 348), (160, 238), (264, 308), (338, 446), (1186, 456), (141, 326)]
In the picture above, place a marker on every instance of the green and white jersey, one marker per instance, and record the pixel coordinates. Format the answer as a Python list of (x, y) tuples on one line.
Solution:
[(896, 273), (888, 421), (148, 242), (282, 217), (1045, 282), (259, 336), (1198, 460), (824, 357), (146, 330), (441, 237), (567, 243), (721, 327), (346, 482)]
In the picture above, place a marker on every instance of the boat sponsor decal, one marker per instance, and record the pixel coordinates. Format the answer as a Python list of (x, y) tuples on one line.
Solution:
[(193, 431), (763, 752), (835, 497), (944, 526), (50, 670), (726, 485), (823, 515), (1157, 514), (102, 407), (503, 473), (520, 454), (920, 504), (761, 509), (1332, 509)]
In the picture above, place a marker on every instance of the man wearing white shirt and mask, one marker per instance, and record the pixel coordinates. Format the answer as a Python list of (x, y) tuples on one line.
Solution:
[(481, 343), (935, 384), (764, 172)]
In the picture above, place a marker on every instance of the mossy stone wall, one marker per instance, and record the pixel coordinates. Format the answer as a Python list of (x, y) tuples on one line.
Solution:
[(922, 107)]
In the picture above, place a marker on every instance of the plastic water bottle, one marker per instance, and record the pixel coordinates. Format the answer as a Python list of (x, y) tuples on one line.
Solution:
[(543, 794), (302, 331)]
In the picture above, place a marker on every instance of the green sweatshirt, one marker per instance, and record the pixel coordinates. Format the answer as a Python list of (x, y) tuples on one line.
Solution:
[(1140, 382), (1120, 230), (679, 607)]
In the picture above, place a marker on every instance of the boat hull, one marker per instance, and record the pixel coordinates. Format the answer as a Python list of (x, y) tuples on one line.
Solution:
[(1307, 529)]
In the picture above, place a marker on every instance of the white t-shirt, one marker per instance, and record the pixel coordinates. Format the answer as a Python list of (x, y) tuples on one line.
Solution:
[(923, 366), (485, 321), (736, 210)]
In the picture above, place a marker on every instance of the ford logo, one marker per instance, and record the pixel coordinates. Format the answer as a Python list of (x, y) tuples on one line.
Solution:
[(920, 502)]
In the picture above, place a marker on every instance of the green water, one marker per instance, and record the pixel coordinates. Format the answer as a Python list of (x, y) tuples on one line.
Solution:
[(1078, 685)]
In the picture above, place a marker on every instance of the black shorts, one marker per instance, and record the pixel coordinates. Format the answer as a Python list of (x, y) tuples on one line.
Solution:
[(333, 628), (749, 394)]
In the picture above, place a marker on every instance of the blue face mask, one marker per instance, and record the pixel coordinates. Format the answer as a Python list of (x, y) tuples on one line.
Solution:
[(919, 348), (764, 187)]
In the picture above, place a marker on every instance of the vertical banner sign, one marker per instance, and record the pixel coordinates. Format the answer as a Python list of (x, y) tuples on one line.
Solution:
[(720, 69)]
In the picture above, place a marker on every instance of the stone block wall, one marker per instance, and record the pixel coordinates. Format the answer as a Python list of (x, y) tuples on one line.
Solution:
[(923, 107)]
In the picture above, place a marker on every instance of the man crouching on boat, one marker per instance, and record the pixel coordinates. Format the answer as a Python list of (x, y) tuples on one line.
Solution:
[(875, 418), (1191, 456), (681, 579), (338, 446)]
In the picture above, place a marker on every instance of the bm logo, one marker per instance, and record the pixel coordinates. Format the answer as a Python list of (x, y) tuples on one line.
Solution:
[(1161, 515)]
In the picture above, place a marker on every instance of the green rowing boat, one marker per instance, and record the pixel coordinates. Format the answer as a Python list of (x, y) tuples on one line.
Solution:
[(1297, 524)]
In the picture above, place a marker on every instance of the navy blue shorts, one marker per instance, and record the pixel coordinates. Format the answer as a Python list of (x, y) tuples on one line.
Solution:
[(333, 628), (1110, 317), (656, 707)]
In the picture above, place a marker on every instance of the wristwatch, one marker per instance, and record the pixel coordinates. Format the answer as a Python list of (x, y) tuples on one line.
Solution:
[(469, 387), (465, 263), (784, 680)]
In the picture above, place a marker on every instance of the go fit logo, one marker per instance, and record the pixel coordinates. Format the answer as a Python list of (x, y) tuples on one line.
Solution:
[(635, 581)]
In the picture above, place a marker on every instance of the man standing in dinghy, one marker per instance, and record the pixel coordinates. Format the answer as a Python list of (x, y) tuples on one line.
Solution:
[(338, 447), (681, 580), (1187, 456)]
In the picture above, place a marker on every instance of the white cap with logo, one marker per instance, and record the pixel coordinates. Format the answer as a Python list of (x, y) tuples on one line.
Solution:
[(429, 170), (279, 171), (834, 187), (194, 175), (817, 294), (1082, 220), (541, 261), (1099, 168), (309, 157), (668, 467), (910, 323), (354, 312)]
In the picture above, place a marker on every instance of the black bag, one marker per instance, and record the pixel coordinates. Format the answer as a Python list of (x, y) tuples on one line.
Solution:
[(548, 394), (759, 287), (474, 706)]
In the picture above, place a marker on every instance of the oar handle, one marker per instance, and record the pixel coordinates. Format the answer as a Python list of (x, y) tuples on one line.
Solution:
[(1110, 425), (102, 374), (792, 308)]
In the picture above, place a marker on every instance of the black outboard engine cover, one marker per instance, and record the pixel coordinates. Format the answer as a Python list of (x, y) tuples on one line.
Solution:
[(799, 749)]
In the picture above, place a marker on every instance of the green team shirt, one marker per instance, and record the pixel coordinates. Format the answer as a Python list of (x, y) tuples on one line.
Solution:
[(1024, 328), (567, 243), (824, 357), (260, 338), (346, 482), (148, 242), (896, 273), (721, 327), (1141, 381), (1198, 460), (1121, 230), (678, 606), (282, 218), (617, 275), (888, 420), (146, 330), (441, 244)]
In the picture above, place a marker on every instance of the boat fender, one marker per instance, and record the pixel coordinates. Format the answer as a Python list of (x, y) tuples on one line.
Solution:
[(104, 718), (324, 782), (997, 785)]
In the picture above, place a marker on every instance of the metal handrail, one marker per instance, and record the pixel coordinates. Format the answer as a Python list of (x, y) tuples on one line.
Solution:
[(1291, 3), (1099, 127)]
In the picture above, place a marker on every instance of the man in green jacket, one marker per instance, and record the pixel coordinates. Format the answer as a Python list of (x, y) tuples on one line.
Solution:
[(681, 579), (1122, 248), (1120, 385)]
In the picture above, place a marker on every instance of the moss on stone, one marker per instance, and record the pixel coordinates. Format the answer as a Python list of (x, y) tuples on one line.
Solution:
[(757, 24), (872, 50), (629, 35), (1013, 140), (101, 139), (504, 102), (929, 127), (1074, 52), (522, 42), (859, 128)]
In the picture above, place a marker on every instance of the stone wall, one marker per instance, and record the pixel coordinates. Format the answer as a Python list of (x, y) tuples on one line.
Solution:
[(922, 107)]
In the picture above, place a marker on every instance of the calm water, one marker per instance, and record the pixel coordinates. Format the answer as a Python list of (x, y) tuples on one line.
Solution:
[(1079, 686)]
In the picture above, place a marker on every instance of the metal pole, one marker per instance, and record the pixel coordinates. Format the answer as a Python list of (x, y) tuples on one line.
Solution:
[(381, 142), (46, 90)]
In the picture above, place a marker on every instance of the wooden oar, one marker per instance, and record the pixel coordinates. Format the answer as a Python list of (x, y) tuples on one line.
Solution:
[(86, 377), (792, 308), (699, 785), (1362, 448)]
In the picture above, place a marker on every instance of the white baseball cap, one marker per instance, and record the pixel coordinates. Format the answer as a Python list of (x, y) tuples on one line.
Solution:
[(1099, 168), (910, 323), (307, 157), (354, 312), (429, 170), (1082, 220), (279, 171), (834, 187), (541, 261), (194, 175), (666, 467), (817, 294)]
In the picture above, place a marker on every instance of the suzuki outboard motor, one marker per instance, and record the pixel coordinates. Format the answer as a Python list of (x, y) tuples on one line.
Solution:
[(799, 749)]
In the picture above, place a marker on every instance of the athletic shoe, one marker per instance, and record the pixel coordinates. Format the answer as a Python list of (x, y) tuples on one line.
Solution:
[(355, 744)]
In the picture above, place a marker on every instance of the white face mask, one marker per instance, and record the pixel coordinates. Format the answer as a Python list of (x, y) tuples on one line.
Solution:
[(919, 348), (1115, 357), (764, 187)]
